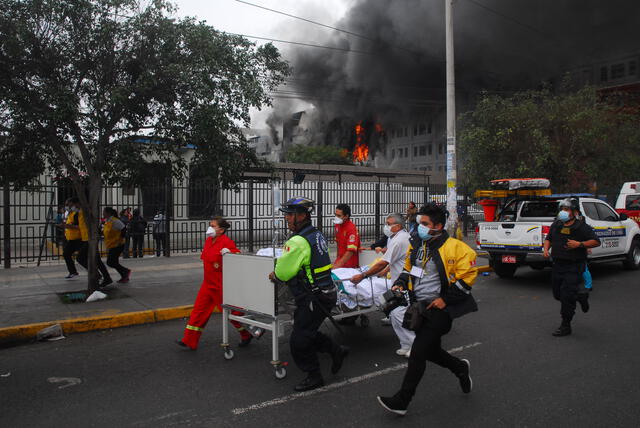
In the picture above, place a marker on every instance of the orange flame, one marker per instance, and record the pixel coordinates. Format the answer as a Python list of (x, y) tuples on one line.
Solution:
[(361, 151)]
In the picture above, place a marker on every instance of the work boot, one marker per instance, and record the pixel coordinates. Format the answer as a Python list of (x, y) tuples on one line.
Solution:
[(466, 384), (563, 330), (337, 358), (312, 381), (394, 404)]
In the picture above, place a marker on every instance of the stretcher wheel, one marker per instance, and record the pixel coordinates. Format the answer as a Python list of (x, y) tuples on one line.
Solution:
[(228, 354), (364, 321), (280, 373)]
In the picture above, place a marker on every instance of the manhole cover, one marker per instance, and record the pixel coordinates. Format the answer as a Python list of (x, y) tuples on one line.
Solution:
[(73, 296)]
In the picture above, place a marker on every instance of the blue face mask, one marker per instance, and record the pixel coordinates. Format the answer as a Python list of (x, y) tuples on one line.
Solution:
[(424, 232), (563, 216)]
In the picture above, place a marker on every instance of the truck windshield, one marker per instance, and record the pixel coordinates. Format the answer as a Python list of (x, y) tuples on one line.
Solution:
[(633, 202), (539, 209)]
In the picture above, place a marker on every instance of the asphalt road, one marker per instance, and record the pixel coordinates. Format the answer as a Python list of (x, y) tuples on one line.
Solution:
[(522, 375)]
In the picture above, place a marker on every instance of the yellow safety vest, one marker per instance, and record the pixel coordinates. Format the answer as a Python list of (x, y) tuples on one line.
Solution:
[(112, 237), (84, 230), (72, 234)]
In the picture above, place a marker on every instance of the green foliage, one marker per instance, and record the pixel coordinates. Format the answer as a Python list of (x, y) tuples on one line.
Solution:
[(575, 139), (319, 155)]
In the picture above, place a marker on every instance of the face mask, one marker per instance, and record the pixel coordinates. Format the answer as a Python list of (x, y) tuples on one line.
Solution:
[(563, 216), (211, 231), (387, 231), (337, 220), (424, 232)]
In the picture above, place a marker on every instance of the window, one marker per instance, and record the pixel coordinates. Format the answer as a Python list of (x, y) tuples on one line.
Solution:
[(415, 151), (430, 149), (590, 210), (393, 133), (603, 74), (406, 152), (439, 167), (422, 129), (393, 153), (415, 130), (633, 202), (406, 132), (429, 168), (539, 209), (633, 68), (429, 128), (440, 148), (617, 71), (605, 213), (423, 150), (399, 153)]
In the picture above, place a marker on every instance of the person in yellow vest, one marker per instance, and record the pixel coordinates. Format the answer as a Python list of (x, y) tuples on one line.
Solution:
[(73, 241), (83, 256), (113, 233)]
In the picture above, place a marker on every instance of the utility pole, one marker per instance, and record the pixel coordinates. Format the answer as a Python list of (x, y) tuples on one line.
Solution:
[(452, 194)]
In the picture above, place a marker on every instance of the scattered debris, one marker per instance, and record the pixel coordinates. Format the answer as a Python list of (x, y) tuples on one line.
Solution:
[(70, 381), (5, 374), (95, 296), (53, 332)]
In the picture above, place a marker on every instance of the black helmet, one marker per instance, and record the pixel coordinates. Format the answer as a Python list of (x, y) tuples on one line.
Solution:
[(298, 205), (570, 203)]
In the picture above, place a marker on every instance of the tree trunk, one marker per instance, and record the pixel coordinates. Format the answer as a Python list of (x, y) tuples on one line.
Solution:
[(93, 220)]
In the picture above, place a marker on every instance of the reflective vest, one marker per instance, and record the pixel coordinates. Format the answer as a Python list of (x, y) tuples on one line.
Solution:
[(72, 234), (318, 271), (112, 237)]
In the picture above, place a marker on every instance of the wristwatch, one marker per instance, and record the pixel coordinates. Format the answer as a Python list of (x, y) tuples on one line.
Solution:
[(581, 244)]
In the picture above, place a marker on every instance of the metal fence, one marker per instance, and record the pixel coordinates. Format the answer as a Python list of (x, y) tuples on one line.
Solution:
[(28, 216)]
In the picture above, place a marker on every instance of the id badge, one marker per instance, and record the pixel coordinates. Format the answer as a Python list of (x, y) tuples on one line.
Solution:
[(416, 271)]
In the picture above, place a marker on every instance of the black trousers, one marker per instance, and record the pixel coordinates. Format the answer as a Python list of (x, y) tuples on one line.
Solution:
[(138, 245), (566, 278), (427, 347), (127, 243), (161, 247), (83, 258), (306, 341), (71, 247), (112, 260)]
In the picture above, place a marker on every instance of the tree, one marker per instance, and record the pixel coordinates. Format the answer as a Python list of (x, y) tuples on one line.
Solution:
[(577, 139), (319, 155), (82, 79)]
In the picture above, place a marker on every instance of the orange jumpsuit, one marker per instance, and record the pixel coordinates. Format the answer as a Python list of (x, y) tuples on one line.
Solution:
[(209, 298)]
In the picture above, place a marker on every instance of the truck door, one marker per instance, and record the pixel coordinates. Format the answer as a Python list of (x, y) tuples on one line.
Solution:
[(608, 228)]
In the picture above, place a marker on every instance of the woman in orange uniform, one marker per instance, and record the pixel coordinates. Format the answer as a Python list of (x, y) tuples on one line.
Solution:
[(209, 298)]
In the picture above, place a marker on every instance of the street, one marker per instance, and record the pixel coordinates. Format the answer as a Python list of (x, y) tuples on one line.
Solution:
[(522, 375)]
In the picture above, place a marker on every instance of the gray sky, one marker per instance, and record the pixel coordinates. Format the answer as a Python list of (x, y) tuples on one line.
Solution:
[(235, 17)]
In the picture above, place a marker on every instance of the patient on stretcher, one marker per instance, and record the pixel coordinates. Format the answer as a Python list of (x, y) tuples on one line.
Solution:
[(363, 295)]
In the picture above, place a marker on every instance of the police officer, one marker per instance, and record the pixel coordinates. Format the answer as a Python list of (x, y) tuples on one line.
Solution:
[(305, 266), (569, 238)]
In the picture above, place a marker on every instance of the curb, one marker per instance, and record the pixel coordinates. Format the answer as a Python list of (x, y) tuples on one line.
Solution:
[(27, 332)]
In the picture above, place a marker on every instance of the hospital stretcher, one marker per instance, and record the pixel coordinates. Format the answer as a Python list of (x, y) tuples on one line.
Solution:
[(247, 289)]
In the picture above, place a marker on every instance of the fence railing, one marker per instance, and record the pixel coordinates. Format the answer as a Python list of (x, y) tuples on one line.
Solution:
[(28, 217)]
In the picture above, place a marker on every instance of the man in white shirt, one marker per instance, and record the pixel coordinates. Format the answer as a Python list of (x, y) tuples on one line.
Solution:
[(394, 257)]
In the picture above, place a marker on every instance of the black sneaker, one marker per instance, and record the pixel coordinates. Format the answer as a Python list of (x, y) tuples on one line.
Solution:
[(105, 282), (71, 276), (394, 405), (563, 330), (309, 383), (184, 346), (466, 384), (337, 358), (584, 303)]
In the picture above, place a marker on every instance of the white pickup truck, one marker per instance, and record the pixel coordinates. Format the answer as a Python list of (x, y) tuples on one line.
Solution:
[(516, 238)]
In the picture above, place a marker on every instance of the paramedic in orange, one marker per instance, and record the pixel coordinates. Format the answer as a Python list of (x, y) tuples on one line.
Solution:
[(347, 238)]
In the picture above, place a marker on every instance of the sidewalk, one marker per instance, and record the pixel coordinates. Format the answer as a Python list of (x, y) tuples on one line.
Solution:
[(160, 289)]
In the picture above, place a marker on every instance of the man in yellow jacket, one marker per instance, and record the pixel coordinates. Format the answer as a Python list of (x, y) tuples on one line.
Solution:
[(438, 274), (83, 256), (73, 239), (114, 242)]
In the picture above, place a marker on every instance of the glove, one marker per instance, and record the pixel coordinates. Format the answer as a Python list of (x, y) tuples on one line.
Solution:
[(225, 251)]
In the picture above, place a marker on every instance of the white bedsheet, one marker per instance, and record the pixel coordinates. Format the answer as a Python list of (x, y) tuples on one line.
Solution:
[(365, 294), (268, 252)]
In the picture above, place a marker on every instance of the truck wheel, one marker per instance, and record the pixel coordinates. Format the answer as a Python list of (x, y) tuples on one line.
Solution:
[(633, 256), (504, 270)]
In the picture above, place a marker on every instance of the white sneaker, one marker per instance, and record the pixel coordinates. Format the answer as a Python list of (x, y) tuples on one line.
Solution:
[(403, 352), (385, 321), (408, 354)]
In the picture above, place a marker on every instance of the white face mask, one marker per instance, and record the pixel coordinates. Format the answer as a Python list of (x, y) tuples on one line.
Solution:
[(387, 231), (211, 231), (338, 220)]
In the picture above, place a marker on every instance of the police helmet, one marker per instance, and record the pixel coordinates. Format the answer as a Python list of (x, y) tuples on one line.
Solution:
[(570, 203), (298, 205)]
